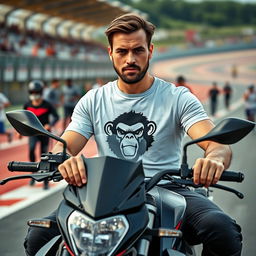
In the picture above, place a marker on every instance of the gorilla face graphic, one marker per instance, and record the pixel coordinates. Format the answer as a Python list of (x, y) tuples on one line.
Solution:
[(130, 135)]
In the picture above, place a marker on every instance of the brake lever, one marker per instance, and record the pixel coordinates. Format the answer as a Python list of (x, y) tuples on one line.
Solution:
[(192, 184), (55, 176)]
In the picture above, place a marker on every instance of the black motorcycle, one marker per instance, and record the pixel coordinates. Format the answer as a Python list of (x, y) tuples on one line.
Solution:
[(119, 212)]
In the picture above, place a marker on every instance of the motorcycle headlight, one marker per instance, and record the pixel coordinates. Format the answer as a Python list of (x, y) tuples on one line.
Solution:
[(96, 238)]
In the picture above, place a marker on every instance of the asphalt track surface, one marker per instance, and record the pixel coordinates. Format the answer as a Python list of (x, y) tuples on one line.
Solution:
[(200, 72)]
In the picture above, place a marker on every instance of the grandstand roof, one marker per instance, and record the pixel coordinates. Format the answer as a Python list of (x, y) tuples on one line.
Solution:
[(91, 12)]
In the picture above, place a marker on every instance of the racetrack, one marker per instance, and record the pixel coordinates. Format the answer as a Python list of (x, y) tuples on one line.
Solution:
[(200, 71)]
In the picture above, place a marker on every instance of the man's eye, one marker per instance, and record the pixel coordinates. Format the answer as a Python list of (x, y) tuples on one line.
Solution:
[(121, 51), (139, 50)]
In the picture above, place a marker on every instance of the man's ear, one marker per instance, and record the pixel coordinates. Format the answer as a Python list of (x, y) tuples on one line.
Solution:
[(151, 48), (110, 53)]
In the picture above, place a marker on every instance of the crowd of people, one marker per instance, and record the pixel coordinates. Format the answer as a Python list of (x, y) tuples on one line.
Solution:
[(35, 44), (48, 103)]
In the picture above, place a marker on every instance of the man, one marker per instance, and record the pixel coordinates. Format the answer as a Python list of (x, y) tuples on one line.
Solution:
[(121, 109), (43, 110), (4, 103), (53, 94), (70, 97), (227, 90), (213, 94), (181, 81), (250, 103)]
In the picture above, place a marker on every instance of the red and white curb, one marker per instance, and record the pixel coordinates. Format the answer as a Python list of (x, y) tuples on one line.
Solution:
[(24, 196)]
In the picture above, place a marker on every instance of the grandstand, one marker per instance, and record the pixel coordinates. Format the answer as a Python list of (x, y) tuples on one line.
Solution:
[(45, 39)]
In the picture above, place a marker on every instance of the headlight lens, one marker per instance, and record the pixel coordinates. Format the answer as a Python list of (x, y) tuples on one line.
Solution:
[(96, 238)]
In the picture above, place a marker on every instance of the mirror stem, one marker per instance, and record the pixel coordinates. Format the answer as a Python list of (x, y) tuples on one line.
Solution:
[(64, 149), (184, 165)]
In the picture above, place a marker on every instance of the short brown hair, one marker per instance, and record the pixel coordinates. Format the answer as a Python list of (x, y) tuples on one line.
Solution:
[(129, 23)]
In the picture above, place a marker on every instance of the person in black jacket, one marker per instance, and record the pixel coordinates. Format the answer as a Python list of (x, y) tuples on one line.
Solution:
[(43, 110)]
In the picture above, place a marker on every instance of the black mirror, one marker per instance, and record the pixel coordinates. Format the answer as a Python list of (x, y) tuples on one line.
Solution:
[(228, 131), (27, 124)]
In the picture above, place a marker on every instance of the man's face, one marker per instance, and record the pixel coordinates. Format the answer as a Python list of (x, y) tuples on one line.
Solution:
[(130, 56)]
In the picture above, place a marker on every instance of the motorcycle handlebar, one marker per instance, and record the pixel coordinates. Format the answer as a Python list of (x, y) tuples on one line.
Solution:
[(232, 176), (227, 176), (23, 166)]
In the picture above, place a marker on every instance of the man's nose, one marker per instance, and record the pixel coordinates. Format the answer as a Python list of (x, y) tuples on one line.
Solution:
[(130, 58)]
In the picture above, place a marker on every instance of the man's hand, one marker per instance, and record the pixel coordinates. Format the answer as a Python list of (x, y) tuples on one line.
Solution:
[(207, 171), (74, 171)]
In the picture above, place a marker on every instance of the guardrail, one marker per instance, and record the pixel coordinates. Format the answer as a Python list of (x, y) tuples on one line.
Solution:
[(23, 68), (16, 71), (179, 53)]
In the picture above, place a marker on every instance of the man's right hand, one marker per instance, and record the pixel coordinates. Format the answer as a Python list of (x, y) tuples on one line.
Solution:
[(73, 171)]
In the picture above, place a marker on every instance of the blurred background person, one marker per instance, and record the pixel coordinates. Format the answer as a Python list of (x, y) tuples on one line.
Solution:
[(227, 90), (181, 81), (4, 102), (53, 94), (250, 103), (234, 71), (213, 95), (43, 110), (87, 87), (99, 82), (71, 95)]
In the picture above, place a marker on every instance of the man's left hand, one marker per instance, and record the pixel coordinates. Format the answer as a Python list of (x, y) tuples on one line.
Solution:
[(207, 171)]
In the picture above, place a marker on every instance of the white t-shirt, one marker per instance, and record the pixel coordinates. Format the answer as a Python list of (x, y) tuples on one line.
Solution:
[(147, 126)]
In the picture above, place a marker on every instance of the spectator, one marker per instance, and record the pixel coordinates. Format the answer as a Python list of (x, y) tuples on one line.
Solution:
[(87, 87), (35, 49), (227, 90), (71, 96), (99, 83), (4, 102), (53, 94), (181, 81), (250, 103), (213, 94), (50, 50), (43, 110), (234, 71)]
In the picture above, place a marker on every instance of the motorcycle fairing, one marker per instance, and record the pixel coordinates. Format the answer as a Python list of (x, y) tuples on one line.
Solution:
[(113, 186), (170, 211), (137, 219), (51, 247)]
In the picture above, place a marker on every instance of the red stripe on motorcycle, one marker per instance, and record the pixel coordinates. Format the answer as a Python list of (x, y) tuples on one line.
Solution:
[(69, 250), (178, 225), (121, 253)]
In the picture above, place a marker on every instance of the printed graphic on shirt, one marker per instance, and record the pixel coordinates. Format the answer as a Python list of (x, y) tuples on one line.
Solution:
[(130, 135)]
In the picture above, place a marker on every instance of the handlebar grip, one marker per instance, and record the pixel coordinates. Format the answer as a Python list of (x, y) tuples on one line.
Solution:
[(232, 176), (23, 166)]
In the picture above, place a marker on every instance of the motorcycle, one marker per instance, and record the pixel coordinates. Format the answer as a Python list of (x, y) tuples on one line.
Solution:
[(119, 212)]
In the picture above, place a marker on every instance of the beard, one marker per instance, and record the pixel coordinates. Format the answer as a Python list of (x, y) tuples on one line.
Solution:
[(134, 79)]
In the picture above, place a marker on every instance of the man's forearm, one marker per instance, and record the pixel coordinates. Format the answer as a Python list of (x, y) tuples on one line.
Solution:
[(58, 147), (218, 152)]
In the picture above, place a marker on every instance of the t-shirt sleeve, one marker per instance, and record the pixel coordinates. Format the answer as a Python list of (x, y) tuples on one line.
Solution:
[(81, 120), (191, 110)]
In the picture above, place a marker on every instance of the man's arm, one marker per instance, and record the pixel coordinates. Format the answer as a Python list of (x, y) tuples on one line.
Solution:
[(73, 169), (216, 159)]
